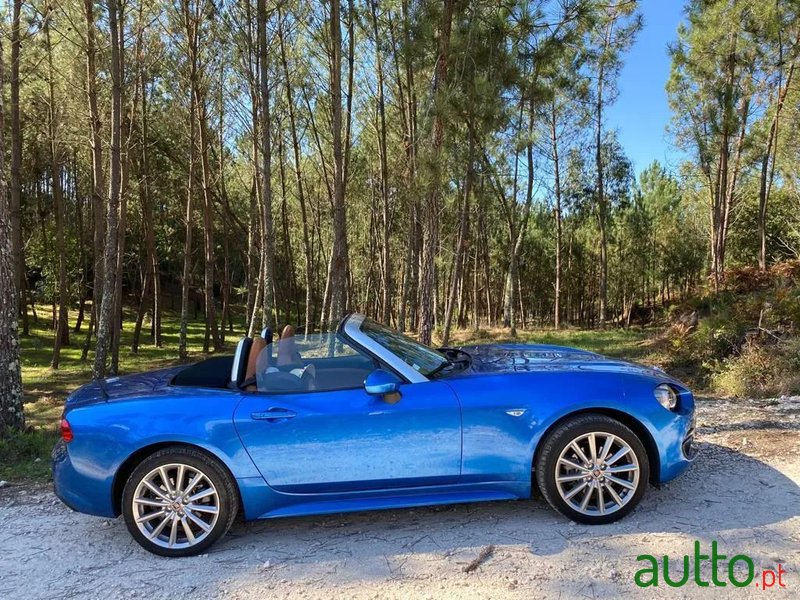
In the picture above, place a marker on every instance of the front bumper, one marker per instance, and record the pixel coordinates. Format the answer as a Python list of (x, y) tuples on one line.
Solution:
[(679, 451), (688, 447)]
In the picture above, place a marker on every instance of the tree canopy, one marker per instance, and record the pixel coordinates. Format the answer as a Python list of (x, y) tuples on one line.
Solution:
[(435, 164)]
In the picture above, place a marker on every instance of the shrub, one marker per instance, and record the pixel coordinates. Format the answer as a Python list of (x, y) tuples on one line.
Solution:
[(760, 370)]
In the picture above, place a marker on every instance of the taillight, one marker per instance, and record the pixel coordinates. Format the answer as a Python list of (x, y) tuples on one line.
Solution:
[(66, 431)]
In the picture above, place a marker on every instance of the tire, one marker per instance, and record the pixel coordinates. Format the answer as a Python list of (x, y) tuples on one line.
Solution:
[(195, 508), (621, 477)]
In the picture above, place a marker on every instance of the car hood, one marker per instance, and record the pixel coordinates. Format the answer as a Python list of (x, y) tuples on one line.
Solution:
[(515, 358)]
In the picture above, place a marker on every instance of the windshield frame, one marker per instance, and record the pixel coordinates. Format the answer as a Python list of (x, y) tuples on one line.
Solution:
[(419, 357), (351, 327)]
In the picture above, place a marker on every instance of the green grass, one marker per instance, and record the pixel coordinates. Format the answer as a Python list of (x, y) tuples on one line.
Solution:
[(26, 456)]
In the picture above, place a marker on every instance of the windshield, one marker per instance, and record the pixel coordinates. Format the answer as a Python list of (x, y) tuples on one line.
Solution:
[(421, 358)]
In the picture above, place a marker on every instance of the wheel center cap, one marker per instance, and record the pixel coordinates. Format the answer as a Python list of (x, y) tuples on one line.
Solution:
[(176, 506), (597, 472)]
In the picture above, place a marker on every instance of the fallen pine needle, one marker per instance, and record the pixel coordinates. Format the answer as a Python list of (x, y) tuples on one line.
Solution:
[(482, 557)]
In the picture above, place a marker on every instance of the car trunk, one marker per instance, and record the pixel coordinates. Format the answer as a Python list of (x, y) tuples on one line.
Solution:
[(113, 388)]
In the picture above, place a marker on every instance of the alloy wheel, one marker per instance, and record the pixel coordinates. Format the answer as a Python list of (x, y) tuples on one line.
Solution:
[(176, 506), (597, 473)]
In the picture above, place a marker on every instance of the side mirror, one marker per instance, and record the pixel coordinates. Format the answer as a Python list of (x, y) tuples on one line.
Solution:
[(382, 383)]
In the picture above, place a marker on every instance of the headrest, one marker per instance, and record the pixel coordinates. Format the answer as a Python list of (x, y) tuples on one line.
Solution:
[(239, 368), (266, 333), (255, 351)]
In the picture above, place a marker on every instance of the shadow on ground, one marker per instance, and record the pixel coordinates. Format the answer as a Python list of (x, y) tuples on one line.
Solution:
[(715, 495)]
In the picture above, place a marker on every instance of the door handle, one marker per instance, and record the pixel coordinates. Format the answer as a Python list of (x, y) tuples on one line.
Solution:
[(273, 415)]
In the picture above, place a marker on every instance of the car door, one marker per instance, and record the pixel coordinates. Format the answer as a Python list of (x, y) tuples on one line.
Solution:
[(347, 440)]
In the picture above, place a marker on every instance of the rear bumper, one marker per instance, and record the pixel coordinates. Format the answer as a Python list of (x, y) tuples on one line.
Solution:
[(79, 492)]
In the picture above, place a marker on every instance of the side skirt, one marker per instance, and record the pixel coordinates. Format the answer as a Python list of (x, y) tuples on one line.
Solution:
[(262, 502)]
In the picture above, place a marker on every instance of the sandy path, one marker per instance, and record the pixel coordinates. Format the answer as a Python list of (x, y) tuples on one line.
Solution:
[(742, 492)]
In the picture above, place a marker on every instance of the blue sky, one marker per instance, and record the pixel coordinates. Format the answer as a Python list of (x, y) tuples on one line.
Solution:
[(641, 112)]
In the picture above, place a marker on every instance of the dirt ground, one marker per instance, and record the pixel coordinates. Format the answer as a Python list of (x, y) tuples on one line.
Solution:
[(742, 492)]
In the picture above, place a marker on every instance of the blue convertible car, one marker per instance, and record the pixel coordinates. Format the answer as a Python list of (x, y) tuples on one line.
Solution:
[(365, 418)]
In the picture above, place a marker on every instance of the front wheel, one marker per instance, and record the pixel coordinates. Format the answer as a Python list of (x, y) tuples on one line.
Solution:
[(178, 502), (592, 469)]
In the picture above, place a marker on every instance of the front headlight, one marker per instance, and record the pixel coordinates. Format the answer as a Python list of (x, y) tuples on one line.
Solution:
[(666, 396)]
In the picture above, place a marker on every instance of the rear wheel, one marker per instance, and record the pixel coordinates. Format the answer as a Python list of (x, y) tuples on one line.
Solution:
[(178, 502), (593, 469)]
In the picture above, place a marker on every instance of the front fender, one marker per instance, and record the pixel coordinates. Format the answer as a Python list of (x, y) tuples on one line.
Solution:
[(499, 443), (662, 431)]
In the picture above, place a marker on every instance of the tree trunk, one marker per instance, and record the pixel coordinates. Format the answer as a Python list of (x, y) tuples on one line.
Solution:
[(510, 210), (408, 114), (430, 221), (253, 271), (512, 276), (386, 268), (193, 16), (765, 180), (16, 166), (187, 246), (98, 177), (12, 417), (254, 218), (287, 238), (267, 241), (149, 232), (559, 232), (137, 328), (226, 272), (475, 303), (301, 198), (338, 265), (602, 212), (410, 272), (720, 198), (190, 28), (62, 322), (118, 320), (82, 285), (150, 287), (226, 284), (463, 233), (126, 138), (208, 225), (104, 320)]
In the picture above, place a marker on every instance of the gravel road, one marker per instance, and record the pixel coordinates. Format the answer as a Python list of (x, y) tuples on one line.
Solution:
[(742, 492)]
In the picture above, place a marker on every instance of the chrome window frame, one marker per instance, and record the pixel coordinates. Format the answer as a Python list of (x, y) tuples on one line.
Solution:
[(352, 329), (237, 357)]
